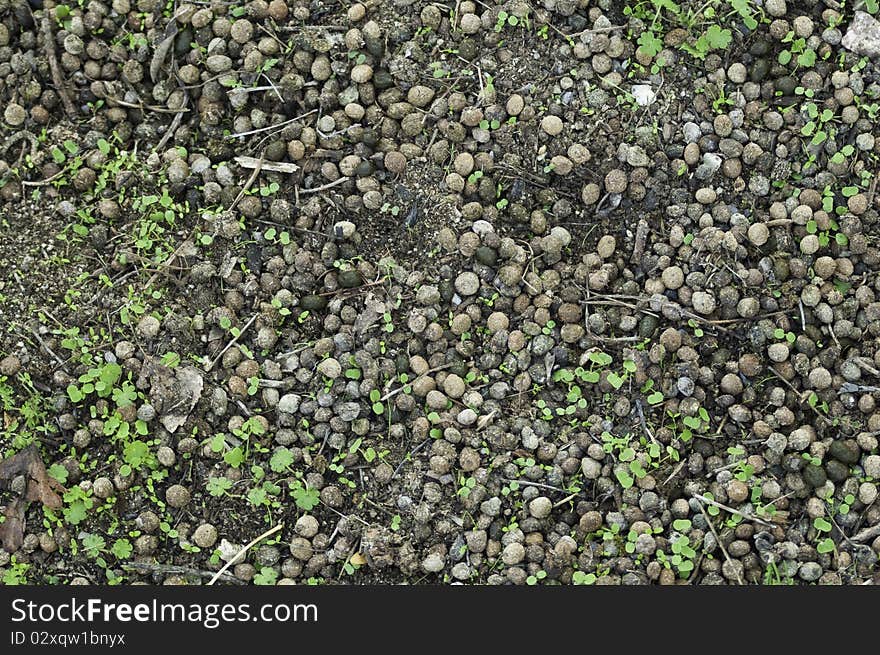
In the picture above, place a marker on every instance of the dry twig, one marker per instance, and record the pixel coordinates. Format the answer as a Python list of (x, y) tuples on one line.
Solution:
[(245, 549), (229, 345), (52, 56)]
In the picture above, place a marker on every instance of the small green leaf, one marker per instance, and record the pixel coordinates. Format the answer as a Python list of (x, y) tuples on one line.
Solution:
[(58, 472), (234, 457), (692, 422), (122, 549), (807, 58), (74, 393), (821, 524), (624, 478), (281, 459), (219, 486), (717, 37)]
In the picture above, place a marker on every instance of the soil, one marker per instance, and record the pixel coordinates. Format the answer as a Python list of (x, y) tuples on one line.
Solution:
[(534, 473)]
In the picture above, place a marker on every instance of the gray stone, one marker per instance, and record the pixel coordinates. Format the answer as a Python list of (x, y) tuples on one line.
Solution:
[(541, 507), (691, 132), (863, 35), (685, 386), (344, 229), (427, 295), (467, 284), (704, 303), (433, 563), (872, 466), (330, 367), (348, 411), (218, 63), (810, 571), (306, 526), (148, 326), (491, 507), (591, 468), (289, 403), (711, 164), (467, 417), (637, 157), (205, 535), (461, 571), (513, 554)]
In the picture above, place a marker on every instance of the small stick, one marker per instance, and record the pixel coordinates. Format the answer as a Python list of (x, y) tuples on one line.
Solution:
[(344, 289), (142, 107), (272, 127), (675, 472), (871, 191), (346, 516), (60, 361), (244, 408), (597, 30), (181, 570), (842, 533), (565, 500), (643, 422), (48, 180), (834, 336), (52, 56), (409, 455), (866, 534), (718, 539), (247, 185), (484, 420), (278, 167), (267, 533), (748, 517), (324, 187), (273, 87), (274, 384), (175, 123), (800, 394), (231, 343), (863, 364), (528, 483)]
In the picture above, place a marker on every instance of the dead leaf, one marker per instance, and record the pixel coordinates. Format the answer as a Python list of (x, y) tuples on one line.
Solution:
[(372, 312), (358, 559), (12, 529), (189, 390), (39, 487), (160, 54)]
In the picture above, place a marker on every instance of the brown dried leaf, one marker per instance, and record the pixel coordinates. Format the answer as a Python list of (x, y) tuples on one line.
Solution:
[(12, 529), (163, 49), (40, 487)]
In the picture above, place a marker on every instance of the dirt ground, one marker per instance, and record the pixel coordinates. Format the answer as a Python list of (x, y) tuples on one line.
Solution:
[(533, 293)]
